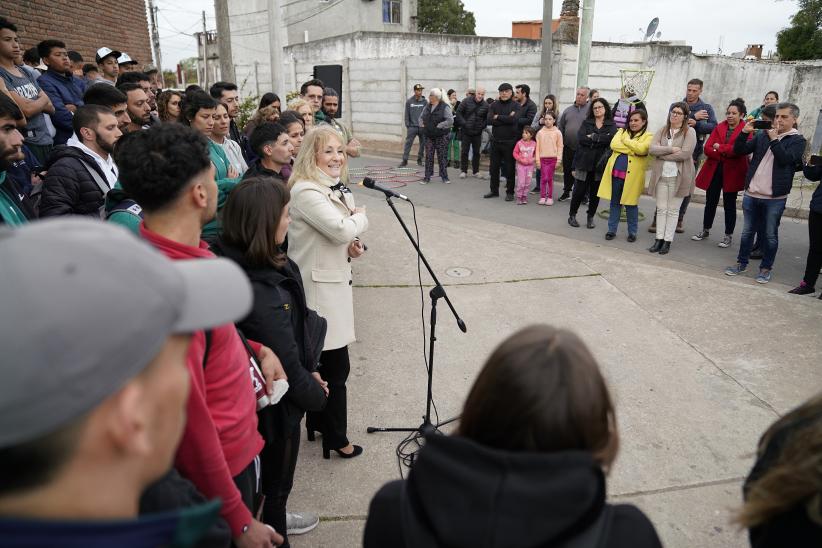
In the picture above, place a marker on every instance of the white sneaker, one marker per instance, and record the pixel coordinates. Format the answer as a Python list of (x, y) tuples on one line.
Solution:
[(727, 240), (541, 201), (300, 523), (549, 201), (463, 175)]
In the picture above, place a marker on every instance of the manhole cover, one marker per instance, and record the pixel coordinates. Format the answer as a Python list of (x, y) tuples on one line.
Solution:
[(458, 272)]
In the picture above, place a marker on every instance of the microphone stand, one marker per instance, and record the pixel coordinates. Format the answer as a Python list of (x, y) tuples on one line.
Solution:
[(436, 293)]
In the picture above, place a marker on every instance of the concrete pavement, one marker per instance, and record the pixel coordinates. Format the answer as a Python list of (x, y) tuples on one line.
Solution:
[(699, 364)]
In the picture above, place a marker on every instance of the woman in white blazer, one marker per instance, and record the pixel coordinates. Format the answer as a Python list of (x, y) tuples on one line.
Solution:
[(323, 239)]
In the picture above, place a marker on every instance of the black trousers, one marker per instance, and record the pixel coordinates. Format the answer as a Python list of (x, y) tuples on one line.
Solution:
[(502, 158), (814, 262), (332, 421), (589, 186), (278, 462), (248, 484), (567, 169), (712, 201), (474, 142)]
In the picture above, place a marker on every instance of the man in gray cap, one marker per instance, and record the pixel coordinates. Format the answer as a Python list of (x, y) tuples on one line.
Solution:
[(219, 452), (413, 109), (95, 327)]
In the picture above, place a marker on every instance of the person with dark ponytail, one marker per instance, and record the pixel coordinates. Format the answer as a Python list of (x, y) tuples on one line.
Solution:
[(783, 492), (723, 172)]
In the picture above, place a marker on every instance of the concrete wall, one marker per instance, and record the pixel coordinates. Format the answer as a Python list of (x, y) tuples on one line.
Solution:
[(383, 67)]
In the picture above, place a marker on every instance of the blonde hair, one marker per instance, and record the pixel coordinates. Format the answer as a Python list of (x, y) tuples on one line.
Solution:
[(296, 103), (305, 166)]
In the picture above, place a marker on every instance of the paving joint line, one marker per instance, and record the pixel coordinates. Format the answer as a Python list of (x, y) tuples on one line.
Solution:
[(496, 282), (675, 488), (689, 344), (342, 518)]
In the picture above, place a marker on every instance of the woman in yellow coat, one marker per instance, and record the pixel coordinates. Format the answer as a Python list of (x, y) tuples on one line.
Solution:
[(624, 177)]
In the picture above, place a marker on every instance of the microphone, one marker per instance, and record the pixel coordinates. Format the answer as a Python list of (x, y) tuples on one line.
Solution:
[(368, 182)]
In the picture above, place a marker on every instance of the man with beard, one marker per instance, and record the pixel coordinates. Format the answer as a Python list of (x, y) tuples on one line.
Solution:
[(63, 88), (111, 97), (14, 206), (330, 107), (81, 173), (139, 111), (144, 81)]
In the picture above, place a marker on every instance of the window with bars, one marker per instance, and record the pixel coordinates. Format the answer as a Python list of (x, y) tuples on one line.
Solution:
[(392, 11)]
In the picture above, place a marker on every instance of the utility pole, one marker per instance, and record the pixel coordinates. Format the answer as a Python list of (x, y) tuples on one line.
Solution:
[(227, 72), (586, 31), (205, 54), (546, 57), (275, 46), (155, 37)]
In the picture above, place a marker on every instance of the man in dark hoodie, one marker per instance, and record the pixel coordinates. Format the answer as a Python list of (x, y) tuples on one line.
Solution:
[(81, 173), (63, 88), (272, 146), (503, 115)]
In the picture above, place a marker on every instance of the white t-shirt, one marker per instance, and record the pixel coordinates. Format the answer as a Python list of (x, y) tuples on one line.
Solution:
[(669, 168)]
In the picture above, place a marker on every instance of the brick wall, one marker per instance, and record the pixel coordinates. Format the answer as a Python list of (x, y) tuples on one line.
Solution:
[(84, 25)]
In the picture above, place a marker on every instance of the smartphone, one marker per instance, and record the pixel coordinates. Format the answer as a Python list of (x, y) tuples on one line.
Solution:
[(815, 160), (762, 124)]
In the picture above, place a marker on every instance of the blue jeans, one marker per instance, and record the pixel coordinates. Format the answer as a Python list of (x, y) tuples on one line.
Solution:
[(632, 212), (765, 215)]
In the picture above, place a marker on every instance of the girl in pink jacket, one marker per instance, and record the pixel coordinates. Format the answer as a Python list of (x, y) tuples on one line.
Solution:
[(524, 153), (549, 151)]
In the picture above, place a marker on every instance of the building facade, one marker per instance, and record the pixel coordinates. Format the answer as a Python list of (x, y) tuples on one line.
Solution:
[(85, 26)]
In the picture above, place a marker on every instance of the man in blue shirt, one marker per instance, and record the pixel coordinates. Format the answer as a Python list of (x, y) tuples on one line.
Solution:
[(63, 88)]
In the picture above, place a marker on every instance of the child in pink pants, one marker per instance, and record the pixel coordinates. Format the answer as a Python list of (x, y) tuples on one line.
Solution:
[(549, 150), (524, 153)]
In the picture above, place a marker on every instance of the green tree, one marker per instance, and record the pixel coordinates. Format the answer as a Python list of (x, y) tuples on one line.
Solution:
[(803, 39), (445, 17)]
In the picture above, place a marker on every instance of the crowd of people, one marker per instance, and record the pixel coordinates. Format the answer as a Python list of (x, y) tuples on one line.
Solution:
[(610, 151), (165, 359)]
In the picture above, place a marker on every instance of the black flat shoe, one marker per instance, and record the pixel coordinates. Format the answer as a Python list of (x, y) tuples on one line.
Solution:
[(573, 221), (355, 453), (610, 235), (656, 247), (632, 237), (310, 434), (491, 195), (666, 247), (590, 223)]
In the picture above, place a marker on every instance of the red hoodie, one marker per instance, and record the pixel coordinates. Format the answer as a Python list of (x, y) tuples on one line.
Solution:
[(220, 438)]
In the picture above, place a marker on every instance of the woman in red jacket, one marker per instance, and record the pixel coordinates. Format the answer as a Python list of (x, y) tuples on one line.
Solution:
[(723, 172)]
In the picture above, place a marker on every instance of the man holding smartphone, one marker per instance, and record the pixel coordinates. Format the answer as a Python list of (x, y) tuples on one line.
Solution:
[(777, 155)]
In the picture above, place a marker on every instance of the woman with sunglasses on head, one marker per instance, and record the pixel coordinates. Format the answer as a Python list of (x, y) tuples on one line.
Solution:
[(672, 173)]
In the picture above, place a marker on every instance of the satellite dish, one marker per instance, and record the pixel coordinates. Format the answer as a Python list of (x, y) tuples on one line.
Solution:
[(652, 26)]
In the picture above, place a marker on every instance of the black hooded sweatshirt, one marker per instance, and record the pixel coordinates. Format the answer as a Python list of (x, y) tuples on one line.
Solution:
[(462, 494)]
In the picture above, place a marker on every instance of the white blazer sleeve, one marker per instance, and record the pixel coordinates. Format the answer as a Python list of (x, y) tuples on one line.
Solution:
[(321, 214)]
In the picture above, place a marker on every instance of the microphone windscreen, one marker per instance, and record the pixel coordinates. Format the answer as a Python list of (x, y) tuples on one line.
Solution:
[(368, 182)]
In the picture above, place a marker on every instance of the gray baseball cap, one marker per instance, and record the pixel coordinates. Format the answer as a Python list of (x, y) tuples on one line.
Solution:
[(84, 307)]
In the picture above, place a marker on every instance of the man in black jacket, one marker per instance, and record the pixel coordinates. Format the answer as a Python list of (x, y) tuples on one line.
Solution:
[(777, 155), (472, 118), (528, 108), (272, 146), (81, 172), (502, 116), (15, 208)]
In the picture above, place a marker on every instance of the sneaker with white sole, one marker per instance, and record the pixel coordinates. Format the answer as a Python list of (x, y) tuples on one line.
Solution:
[(727, 240), (702, 235), (549, 201), (541, 201), (299, 523), (736, 270), (463, 175), (764, 276)]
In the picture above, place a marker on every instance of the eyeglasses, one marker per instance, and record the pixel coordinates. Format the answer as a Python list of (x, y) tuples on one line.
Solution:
[(677, 113)]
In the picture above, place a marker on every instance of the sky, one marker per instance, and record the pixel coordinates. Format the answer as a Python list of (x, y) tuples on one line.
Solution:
[(736, 23)]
